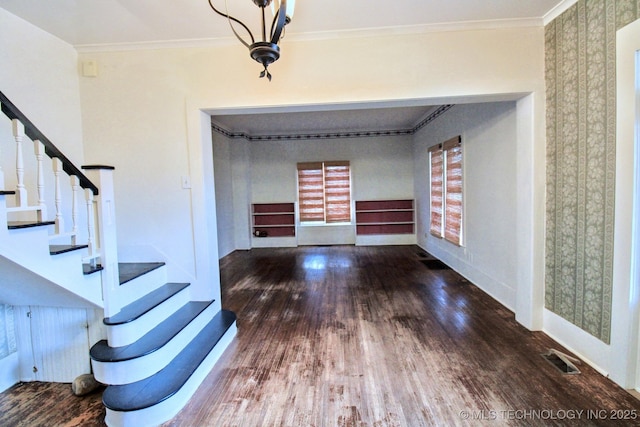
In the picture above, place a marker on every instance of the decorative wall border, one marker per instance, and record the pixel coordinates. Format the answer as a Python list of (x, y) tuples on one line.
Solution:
[(333, 135)]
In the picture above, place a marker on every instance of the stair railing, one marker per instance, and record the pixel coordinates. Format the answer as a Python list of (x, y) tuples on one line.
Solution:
[(100, 230)]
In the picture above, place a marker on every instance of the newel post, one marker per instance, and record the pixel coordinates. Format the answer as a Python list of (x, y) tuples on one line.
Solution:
[(102, 177)]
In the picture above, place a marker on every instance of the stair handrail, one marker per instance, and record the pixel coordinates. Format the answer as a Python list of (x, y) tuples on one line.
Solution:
[(11, 111), (99, 197)]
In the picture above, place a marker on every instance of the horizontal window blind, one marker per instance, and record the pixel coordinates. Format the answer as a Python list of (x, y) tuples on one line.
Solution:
[(337, 191), (453, 202), (311, 191), (324, 191), (436, 176), (445, 174)]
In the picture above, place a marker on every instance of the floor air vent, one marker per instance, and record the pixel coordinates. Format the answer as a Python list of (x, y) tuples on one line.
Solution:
[(562, 362), (435, 264)]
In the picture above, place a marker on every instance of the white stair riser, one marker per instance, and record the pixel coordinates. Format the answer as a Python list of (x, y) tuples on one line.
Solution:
[(137, 288), (29, 248), (129, 371), (169, 408), (128, 333)]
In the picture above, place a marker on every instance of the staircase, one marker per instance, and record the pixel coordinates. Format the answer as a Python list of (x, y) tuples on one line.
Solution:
[(156, 344), (159, 349)]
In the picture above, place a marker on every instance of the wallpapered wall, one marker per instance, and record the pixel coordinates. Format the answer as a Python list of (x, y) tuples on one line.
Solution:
[(7, 331), (580, 53)]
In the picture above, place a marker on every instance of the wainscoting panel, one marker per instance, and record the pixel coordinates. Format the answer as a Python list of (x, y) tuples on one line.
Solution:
[(53, 342)]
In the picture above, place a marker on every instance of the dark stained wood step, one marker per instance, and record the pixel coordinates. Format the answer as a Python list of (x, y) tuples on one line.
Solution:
[(15, 225), (6, 193), (145, 304), (161, 386), (152, 341), (130, 270), (61, 249), (90, 269)]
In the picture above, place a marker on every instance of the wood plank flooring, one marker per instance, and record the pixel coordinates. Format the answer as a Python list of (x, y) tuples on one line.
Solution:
[(38, 404), (364, 336), (370, 336)]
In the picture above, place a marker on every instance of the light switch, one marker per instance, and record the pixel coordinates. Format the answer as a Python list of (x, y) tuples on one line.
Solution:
[(186, 182)]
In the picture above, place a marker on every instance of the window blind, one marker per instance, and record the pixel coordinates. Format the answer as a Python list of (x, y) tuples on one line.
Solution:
[(436, 169), (324, 191), (445, 174), (337, 191), (453, 201), (311, 191)]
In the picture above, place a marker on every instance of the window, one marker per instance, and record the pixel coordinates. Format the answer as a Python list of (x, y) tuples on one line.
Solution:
[(324, 192), (445, 172)]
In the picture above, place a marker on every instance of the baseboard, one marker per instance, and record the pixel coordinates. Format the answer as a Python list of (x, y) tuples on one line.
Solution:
[(496, 289), (583, 345), (9, 371)]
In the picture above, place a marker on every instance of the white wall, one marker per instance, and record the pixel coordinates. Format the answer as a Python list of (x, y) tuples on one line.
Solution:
[(223, 169), (488, 257), (143, 114), (232, 171), (39, 75), (381, 168)]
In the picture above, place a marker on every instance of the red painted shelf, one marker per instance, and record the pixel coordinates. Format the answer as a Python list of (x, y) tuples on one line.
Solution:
[(273, 219), (384, 217)]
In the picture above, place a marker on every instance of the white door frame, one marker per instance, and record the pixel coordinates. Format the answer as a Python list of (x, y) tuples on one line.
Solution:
[(625, 317)]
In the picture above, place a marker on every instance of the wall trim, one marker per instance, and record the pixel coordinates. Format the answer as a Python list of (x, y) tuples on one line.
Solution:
[(495, 24), (625, 310), (333, 135), (583, 345), (557, 11)]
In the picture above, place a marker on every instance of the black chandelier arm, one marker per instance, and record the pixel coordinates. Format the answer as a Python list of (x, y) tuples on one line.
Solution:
[(280, 21), (231, 18)]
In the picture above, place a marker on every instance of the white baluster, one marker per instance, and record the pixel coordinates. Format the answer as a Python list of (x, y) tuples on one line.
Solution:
[(57, 172), (75, 188), (38, 148), (90, 224), (21, 190)]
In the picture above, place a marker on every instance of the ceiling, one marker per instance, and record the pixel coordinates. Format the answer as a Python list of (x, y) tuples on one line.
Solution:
[(107, 22), (104, 24)]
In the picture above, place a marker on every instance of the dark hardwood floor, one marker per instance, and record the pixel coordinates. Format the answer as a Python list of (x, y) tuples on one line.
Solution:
[(368, 336), (38, 404)]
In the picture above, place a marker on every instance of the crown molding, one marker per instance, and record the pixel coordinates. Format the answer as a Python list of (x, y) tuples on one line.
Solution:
[(155, 45), (324, 35), (333, 135), (558, 10)]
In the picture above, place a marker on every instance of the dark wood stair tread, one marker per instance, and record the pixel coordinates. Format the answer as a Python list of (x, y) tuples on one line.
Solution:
[(7, 193), (143, 305), (152, 341), (15, 225), (168, 381), (61, 249), (130, 270), (90, 269)]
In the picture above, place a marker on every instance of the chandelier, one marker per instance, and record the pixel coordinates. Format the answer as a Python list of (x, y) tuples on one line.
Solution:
[(265, 51)]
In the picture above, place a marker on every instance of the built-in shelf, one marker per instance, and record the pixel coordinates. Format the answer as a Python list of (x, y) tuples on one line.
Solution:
[(385, 217), (273, 220)]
